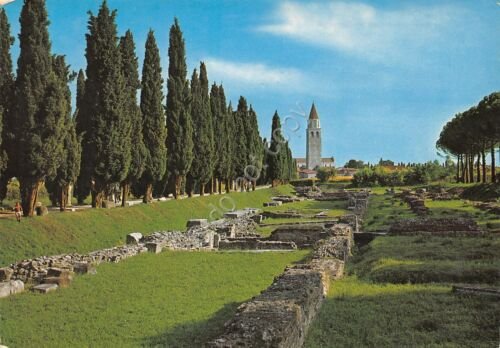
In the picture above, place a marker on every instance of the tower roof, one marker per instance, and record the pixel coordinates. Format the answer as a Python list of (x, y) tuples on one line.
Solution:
[(313, 115)]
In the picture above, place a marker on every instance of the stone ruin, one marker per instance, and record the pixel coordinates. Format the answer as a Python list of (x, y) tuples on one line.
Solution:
[(281, 315), (416, 201), (306, 235), (436, 227)]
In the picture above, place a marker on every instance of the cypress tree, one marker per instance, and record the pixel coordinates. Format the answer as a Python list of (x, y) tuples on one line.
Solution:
[(241, 151), (203, 135), (108, 145), (254, 148), (84, 130), (6, 90), (231, 138), (130, 70), (40, 115), (153, 114), (179, 122), (274, 154), (68, 170)]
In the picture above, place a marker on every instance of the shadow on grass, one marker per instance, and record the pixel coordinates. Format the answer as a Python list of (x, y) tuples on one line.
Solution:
[(406, 319), (195, 333)]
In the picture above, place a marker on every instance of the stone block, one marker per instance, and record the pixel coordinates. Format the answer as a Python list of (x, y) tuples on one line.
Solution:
[(58, 272), (257, 218), (62, 282), (134, 238), (84, 268), (5, 273), (154, 248), (41, 211), (11, 287), (45, 288), (216, 240), (196, 223), (273, 204), (108, 204), (235, 214)]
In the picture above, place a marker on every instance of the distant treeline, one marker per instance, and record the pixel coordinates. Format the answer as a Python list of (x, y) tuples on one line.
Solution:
[(196, 142), (470, 136)]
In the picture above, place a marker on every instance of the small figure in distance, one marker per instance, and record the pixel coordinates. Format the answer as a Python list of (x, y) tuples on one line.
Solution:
[(18, 210)]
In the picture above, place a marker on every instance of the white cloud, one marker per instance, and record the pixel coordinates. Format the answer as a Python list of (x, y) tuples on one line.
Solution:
[(254, 74), (5, 2), (362, 30)]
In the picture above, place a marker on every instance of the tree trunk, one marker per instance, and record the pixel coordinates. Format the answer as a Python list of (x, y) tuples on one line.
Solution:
[(478, 168), (202, 189), (493, 169), (483, 155), (471, 168), (148, 193), (29, 194), (178, 182), (463, 168), (125, 192), (458, 169), (254, 184), (219, 186)]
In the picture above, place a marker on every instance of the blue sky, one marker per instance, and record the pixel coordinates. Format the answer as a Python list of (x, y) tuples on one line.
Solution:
[(385, 75)]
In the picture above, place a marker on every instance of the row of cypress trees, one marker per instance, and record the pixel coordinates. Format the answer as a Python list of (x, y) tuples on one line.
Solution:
[(196, 143), (470, 135)]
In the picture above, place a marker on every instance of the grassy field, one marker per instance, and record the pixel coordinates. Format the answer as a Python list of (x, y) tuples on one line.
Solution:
[(357, 313), (174, 299), (383, 210), (93, 229)]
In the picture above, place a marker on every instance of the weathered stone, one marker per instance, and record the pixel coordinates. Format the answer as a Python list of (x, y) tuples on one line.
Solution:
[(439, 226), (476, 290), (108, 204), (62, 282), (58, 272), (255, 244), (216, 240), (84, 268), (6, 273), (235, 214), (11, 287), (273, 204), (41, 210), (197, 222), (154, 247), (44, 288), (134, 238)]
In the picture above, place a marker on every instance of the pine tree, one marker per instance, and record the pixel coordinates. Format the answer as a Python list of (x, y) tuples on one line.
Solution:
[(6, 91), (107, 148), (68, 170), (203, 163), (84, 130), (179, 122), (153, 114), (130, 70), (275, 152), (40, 114)]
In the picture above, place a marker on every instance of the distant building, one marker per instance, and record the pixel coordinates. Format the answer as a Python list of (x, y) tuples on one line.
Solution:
[(313, 160)]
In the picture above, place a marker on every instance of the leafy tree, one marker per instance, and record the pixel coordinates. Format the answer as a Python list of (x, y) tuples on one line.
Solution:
[(40, 114), (132, 111), (274, 154), (84, 130), (153, 122), (352, 163), (203, 136), (6, 96), (325, 173), (108, 146), (68, 170), (179, 122)]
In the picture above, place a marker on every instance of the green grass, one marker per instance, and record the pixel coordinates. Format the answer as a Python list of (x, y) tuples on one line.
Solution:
[(398, 259), (310, 207), (94, 229), (461, 208), (383, 210), (362, 314), (178, 299)]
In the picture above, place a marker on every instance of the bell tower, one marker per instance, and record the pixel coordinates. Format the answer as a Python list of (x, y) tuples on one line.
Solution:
[(313, 136)]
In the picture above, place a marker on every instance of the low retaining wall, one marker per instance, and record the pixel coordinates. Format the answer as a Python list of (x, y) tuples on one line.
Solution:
[(307, 235), (255, 244), (437, 227), (281, 315)]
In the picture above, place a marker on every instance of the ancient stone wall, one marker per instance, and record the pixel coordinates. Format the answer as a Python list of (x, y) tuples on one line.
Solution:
[(440, 226)]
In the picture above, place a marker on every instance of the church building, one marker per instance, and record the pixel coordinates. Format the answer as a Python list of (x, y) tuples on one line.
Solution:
[(307, 166)]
